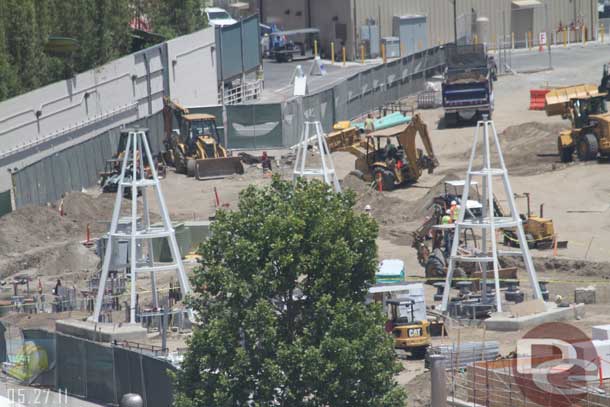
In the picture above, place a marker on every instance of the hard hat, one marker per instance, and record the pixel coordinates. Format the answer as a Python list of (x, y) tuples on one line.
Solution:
[(367, 208), (453, 203)]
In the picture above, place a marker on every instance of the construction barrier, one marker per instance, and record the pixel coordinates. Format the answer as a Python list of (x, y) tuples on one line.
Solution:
[(537, 98)]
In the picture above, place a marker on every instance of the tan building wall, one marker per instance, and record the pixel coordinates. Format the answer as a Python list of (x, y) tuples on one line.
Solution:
[(503, 16)]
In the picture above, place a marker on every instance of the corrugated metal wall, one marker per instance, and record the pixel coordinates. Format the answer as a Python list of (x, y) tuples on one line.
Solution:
[(77, 167), (440, 14)]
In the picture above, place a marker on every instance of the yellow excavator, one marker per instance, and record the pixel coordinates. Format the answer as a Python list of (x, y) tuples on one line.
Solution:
[(194, 148), (585, 107), (389, 157)]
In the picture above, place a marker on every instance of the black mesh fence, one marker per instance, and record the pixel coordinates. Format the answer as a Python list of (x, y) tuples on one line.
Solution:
[(102, 373)]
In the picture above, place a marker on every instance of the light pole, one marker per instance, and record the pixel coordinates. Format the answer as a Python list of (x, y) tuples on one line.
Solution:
[(455, 37)]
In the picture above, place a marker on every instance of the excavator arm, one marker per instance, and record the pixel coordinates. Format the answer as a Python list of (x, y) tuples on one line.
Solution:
[(347, 140), (407, 140)]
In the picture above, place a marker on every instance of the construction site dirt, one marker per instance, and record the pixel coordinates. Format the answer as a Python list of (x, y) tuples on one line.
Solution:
[(38, 242)]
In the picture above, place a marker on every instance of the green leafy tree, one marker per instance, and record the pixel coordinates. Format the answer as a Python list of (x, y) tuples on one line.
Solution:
[(101, 28), (280, 294), (172, 18)]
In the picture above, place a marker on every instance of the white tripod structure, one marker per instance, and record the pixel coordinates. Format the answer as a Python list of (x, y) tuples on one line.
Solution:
[(488, 224), (140, 239), (327, 168)]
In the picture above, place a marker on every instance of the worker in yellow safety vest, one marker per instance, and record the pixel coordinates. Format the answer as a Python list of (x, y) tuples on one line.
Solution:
[(446, 220), (456, 213), (369, 124), (452, 210)]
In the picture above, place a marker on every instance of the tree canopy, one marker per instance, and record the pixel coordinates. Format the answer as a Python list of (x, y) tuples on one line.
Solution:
[(280, 293), (101, 28)]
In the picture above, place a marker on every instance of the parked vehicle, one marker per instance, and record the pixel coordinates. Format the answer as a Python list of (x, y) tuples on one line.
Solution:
[(467, 88), (219, 17), (286, 46)]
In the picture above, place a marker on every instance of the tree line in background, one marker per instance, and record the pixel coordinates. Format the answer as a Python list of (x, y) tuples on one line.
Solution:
[(101, 28)]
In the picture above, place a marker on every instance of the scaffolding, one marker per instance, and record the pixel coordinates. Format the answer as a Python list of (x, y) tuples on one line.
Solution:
[(326, 168), (489, 223), (133, 182)]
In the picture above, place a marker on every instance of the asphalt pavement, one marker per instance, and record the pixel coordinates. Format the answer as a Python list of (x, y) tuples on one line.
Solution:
[(279, 74)]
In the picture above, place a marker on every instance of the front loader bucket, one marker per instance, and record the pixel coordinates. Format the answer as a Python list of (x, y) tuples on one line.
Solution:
[(556, 99), (210, 168)]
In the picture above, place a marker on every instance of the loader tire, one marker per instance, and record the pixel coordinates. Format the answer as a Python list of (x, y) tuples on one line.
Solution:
[(191, 168), (588, 147), (566, 154), (435, 266), (180, 162)]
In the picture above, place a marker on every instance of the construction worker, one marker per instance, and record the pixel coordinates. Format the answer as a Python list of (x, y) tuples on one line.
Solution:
[(446, 220), (368, 210), (266, 163), (456, 213), (369, 124), (453, 210)]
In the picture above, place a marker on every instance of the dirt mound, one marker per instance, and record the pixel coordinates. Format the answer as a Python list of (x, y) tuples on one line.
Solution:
[(522, 146), (34, 227), (418, 391), (85, 209), (529, 148), (568, 267), (396, 217), (53, 259)]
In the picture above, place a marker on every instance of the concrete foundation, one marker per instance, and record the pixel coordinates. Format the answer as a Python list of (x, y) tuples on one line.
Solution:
[(506, 322), (101, 332)]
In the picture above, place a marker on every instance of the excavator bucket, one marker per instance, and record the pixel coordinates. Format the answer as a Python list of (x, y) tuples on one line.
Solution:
[(211, 168), (556, 99)]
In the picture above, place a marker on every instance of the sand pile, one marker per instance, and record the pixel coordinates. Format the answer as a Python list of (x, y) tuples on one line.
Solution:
[(34, 227), (396, 217), (522, 145), (85, 209), (418, 391), (528, 148), (567, 267), (38, 239)]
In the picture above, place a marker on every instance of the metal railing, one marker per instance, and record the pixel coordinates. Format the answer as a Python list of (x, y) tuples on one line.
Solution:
[(246, 91)]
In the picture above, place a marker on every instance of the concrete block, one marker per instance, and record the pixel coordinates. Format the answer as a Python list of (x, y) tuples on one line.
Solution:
[(101, 332), (584, 295), (502, 322)]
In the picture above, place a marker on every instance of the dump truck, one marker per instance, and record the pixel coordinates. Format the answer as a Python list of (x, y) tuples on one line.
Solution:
[(388, 157), (467, 89), (194, 147), (585, 107)]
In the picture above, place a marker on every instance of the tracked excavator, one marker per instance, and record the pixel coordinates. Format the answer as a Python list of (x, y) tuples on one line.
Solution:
[(194, 147), (389, 157)]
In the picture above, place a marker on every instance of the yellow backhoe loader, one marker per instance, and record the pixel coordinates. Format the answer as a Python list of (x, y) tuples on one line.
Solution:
[(390, 156), (194, 148), (585, 107)]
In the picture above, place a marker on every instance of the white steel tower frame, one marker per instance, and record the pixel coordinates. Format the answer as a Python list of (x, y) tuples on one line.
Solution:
[(136, 147), (488, 224), (327, 169)]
